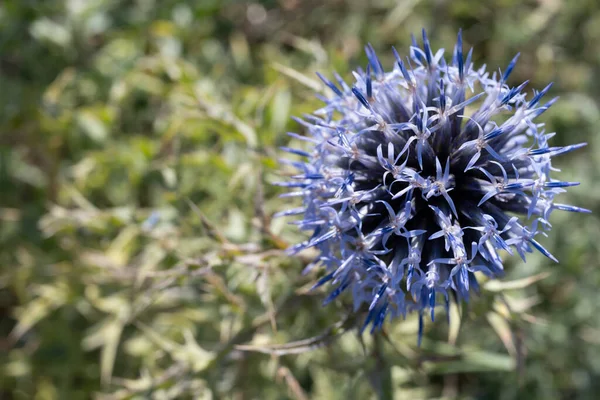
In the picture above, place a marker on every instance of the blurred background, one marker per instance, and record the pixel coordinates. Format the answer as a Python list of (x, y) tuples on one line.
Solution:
[(138, 141)]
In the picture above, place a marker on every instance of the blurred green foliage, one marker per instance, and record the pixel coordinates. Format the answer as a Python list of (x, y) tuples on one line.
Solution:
[(137, 252)]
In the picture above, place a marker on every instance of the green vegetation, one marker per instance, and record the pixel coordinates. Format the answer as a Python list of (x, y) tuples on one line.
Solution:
[(138, 141)]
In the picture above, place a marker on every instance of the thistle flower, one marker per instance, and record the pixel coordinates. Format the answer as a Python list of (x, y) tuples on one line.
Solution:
[(408, 194)]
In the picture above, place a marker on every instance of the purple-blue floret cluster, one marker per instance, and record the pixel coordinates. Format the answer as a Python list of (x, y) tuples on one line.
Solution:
[(415, 179)]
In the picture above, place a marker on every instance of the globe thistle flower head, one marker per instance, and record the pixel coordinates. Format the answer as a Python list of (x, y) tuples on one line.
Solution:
[(416, 178)]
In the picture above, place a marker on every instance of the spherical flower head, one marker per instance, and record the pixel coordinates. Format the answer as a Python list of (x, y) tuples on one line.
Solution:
[(408, 193)]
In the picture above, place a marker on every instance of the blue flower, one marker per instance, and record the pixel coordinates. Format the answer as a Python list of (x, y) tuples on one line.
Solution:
[(419, 177)]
